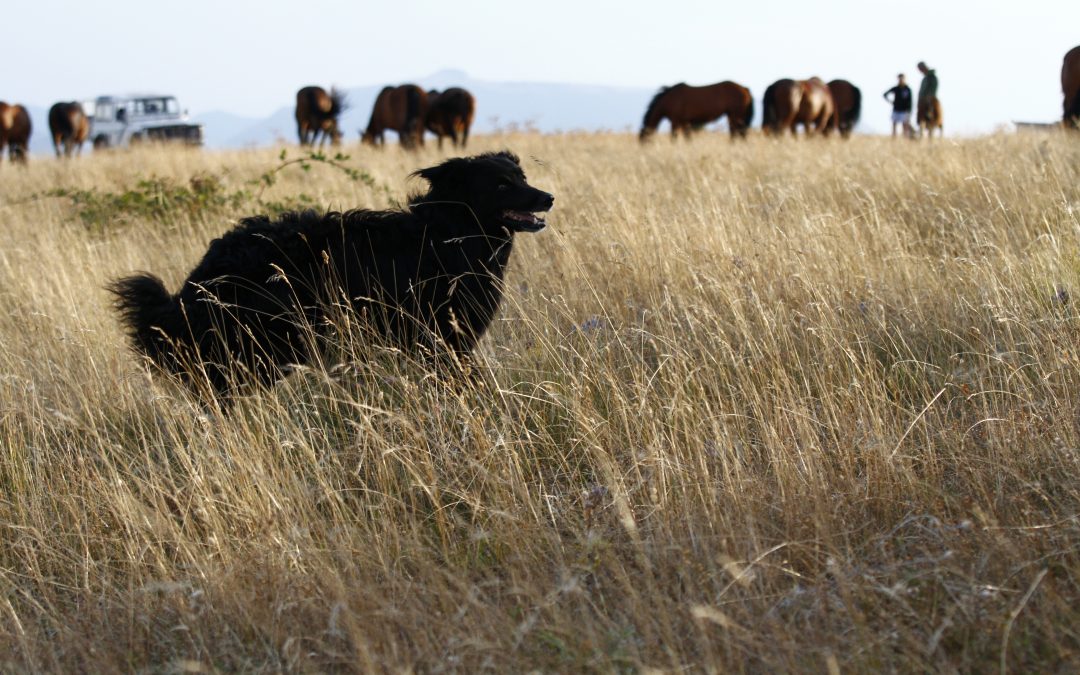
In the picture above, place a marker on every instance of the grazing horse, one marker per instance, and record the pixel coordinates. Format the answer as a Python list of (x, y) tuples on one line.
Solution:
[(816, 107), (69, 127), (15, 128), (789, 103), (1070, 86), (929, 117), (401, 109), (450, 114), (780, 106), (690, 108), (317, 114), (848, 102)]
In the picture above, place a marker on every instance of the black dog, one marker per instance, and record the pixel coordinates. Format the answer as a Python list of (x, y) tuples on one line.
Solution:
[(428, 277)]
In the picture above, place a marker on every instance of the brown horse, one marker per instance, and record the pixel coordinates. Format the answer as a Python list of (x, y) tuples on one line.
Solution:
[(780, 106), (848, 102), (401, 109), (15, 128), (690, 108), (789, 103), (450, 114), (69, 127), (317, 115), (928, 115), (1070, 86)]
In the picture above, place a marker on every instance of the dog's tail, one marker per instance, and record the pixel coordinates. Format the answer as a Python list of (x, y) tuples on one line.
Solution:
[(152, 317)]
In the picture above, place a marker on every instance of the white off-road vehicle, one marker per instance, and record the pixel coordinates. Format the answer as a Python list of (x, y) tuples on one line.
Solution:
[(119, 121)]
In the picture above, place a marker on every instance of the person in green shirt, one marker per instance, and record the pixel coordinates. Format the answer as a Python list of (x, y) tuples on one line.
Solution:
[(928, 87)]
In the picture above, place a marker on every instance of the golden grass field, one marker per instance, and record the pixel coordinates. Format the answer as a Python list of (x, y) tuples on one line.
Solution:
[(769, 406)]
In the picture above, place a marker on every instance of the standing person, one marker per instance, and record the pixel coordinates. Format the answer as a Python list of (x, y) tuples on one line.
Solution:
[(901, 105), (928, 87), (928, 107)]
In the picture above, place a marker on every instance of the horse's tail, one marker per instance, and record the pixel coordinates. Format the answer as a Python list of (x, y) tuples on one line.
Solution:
[(768, 107), (749, 118), (856, 105), (339, 102), (1072, 112), (153, 319)]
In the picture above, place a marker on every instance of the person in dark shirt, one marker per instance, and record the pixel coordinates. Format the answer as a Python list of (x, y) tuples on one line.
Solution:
[(901, 106)]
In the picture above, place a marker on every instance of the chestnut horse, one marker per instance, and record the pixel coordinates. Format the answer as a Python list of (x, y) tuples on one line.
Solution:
[(690, 108), (928, 115), (401, 109), (848, 102), (15, 128), (1070, 86), (69, 127), (450, 113), (317, 115)]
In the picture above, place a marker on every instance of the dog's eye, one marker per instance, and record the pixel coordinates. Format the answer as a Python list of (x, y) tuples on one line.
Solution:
[(503, 186)]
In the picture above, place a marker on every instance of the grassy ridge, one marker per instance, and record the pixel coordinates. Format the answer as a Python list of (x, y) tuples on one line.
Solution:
[(763, 406)]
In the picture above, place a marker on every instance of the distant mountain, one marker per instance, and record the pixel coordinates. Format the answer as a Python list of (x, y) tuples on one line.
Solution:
[(219, 127)]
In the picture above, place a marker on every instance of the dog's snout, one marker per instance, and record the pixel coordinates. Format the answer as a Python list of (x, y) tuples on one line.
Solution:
[(547, 199)]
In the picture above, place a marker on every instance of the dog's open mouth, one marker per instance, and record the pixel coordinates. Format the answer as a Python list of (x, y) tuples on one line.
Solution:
[(524, 220)]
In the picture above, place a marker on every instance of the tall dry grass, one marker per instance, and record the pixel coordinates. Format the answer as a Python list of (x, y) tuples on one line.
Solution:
[(771, 406)]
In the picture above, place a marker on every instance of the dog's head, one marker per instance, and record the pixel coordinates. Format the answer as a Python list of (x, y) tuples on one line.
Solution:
[(493, 186)]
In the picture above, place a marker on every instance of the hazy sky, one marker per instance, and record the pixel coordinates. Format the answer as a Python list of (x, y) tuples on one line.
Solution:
[(997, 60)]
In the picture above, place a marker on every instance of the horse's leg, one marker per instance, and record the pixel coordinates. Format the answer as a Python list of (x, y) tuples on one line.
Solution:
[(56, 143)]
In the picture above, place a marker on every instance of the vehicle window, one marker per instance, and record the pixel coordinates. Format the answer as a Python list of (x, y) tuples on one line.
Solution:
[(138, 107), (172, 106), (104, 111)]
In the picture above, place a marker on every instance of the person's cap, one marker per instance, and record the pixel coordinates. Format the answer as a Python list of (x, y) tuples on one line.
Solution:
[(899, 75), (922, 64)]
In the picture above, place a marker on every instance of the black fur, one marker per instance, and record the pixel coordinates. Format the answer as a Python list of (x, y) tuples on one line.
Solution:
[(429, 275)]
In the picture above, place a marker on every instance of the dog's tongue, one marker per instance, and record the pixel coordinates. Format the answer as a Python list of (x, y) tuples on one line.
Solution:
[(523, 216)]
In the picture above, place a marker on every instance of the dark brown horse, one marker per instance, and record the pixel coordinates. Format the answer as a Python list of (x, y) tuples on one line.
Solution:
[(15, 128), (450, 113), (401, 109), (69, 127), (1070, 86), (848, 102), (789, 103), (317, 115), (928, 115), (690, 108)]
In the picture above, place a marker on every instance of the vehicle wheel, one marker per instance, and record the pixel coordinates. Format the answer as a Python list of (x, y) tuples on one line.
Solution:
[(101, 143)]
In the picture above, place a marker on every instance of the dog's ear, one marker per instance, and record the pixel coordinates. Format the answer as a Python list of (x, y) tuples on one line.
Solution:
[(446, 177), (506, 154), (431, 174)]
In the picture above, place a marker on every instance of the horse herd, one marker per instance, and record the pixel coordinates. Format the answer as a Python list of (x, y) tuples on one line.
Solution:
[(819, 107), (406, 110)]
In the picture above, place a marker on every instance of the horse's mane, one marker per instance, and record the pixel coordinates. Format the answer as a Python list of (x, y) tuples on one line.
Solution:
[(656, 100)]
